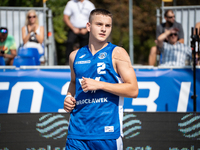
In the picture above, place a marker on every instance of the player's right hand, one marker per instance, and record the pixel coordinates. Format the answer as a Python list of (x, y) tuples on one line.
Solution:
[(69, 104)]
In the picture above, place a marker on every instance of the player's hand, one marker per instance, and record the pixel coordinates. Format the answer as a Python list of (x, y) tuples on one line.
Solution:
[(69, 104), (88, 84)]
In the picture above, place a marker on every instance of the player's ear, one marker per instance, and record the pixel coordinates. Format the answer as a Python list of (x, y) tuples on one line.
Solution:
[(88, 26)]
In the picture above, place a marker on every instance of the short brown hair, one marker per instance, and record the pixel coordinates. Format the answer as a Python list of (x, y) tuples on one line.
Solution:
[(99, 11)]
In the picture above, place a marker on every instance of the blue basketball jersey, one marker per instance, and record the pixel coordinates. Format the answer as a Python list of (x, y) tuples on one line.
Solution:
[(98, 114)]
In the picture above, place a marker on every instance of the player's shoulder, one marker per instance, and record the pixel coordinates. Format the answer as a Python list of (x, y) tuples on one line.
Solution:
[(73, 54), (120, 53)]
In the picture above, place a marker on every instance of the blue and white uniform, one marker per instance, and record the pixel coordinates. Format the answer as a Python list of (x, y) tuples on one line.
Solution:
[(98, 114)]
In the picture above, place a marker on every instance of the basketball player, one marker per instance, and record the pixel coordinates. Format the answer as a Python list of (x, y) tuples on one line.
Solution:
[(101, 75)]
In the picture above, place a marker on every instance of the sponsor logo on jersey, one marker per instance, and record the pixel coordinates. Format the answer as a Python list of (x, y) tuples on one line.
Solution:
[(102, 55), (83, 62), (94, 100), (109, 129), (82, 56)]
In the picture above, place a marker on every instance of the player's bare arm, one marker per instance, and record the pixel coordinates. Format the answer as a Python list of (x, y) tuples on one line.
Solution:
[(70, 102), (122, 65)]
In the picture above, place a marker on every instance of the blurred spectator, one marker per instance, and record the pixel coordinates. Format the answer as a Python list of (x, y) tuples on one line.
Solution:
[(33, 34), (197, 26), (173, 52), (76, 15), (170, 23), (7, 46)]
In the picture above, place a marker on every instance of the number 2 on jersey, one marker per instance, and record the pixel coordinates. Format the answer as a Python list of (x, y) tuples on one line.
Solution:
[(101, 68)]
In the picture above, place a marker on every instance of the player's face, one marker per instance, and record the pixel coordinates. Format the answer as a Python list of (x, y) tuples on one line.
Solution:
[(100, 27)]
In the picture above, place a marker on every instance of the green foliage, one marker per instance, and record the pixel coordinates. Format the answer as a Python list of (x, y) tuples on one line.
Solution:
[(60, 29), (57, 7), (21, 3), (4, 2)]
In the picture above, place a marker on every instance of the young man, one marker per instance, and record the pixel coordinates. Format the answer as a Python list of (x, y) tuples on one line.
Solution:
[(170, 23), (173, 52), (101, 75), (7, 46)]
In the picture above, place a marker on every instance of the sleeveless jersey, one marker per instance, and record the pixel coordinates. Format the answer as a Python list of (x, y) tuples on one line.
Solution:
[(97, 114)]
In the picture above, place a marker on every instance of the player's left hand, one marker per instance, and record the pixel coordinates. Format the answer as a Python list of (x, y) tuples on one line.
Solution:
[(88, 84)]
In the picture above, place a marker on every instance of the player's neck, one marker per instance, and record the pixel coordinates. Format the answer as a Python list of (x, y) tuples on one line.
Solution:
[(95, 47)]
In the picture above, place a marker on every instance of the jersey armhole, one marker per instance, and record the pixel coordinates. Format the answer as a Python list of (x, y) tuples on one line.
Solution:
[(112, 61)]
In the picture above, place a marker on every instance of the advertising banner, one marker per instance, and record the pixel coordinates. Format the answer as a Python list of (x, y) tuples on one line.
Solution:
[(142, 131), (42, 90)]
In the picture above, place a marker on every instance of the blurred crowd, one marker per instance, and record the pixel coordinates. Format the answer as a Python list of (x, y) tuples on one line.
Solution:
[(169, 49), (31, 52)]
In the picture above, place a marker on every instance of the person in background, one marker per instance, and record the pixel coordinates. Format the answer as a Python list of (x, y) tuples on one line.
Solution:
[(170, 23), (33, 33), (76, 14), (101, 75), (7, 46), (173, 52), (197, 26)]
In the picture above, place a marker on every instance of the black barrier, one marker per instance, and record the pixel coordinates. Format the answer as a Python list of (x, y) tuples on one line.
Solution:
[(195, 46), (142, 131)]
